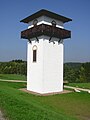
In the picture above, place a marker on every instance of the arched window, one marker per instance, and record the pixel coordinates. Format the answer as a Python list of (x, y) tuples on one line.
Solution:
[(34, 53), (53, 23)]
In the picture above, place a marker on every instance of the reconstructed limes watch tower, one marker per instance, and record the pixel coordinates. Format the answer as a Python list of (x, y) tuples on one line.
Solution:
[(45, 36)]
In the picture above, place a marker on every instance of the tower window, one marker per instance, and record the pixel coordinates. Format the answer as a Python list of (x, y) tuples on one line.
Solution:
[(53, 23), (34, 53)]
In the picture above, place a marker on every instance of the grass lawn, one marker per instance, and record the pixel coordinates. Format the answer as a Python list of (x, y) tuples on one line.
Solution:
[(12, 77), (81, 85), (18, 105)]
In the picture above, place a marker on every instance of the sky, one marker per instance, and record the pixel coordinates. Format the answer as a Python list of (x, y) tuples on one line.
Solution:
[(76, 49)]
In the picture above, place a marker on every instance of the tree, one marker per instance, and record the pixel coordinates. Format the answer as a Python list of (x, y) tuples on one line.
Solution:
[(13, 67), (82, 77), (86, 67)]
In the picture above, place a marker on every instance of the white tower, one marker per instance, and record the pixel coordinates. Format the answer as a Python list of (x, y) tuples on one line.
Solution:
[(45, 36)]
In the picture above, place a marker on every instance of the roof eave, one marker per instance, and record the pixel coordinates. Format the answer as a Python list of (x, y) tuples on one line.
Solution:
[(46, 13)]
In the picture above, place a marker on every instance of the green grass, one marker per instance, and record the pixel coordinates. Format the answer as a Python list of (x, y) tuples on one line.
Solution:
[(18, 105), (81, 85), (12, 77)]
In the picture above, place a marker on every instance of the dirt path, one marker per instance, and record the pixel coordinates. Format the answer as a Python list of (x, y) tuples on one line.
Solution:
[(77, 89), (13, 80), (1, 116)]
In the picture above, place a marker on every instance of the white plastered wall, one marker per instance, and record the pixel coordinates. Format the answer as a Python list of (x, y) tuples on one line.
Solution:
[(46, 75), (46, 20), (53, 66), (35, 69)]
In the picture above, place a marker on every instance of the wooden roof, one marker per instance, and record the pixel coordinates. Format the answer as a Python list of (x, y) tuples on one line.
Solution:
[(46, 13)]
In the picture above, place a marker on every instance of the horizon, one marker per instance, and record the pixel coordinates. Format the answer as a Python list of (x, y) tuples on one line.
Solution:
[(63, 62)]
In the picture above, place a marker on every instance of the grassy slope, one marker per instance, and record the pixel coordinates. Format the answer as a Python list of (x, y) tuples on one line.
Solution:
[(81, 85), (22, 106), (12, 77), (18, 105)]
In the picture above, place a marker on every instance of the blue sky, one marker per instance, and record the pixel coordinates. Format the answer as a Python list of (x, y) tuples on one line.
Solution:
[(77, 49)]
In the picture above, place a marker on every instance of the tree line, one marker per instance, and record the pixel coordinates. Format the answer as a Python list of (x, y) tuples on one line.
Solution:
[(73, 72), (77, 72), (13, 67)]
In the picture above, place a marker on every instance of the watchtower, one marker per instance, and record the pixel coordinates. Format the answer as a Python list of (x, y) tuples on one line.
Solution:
[(45, 36)]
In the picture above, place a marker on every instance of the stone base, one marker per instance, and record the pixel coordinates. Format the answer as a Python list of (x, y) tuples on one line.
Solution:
[(45, 94)]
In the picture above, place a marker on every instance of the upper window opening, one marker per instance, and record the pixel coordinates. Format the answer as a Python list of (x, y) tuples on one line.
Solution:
[(53, 23), (34, 53)]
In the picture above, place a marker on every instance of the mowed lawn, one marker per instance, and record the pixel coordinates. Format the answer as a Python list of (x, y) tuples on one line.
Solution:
[(18, 105), (12, 77)]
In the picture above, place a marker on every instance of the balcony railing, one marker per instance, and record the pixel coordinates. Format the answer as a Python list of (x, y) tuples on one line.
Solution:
[(47, 30)]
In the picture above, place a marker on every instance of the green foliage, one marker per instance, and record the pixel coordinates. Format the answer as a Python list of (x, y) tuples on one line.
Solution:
[(86, 67), (77, 72), (13, 67), (73, 72), (82, 77)]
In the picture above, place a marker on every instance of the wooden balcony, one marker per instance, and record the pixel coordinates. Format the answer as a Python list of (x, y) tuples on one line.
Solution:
[(47, 30)]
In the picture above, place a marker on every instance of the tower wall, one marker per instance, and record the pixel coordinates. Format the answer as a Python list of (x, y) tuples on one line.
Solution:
[(46, 74), (52, 66), (35, 69)]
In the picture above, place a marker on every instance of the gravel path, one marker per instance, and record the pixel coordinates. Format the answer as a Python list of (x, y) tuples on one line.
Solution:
[(77, 89), (1, 116), (13, 80)]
